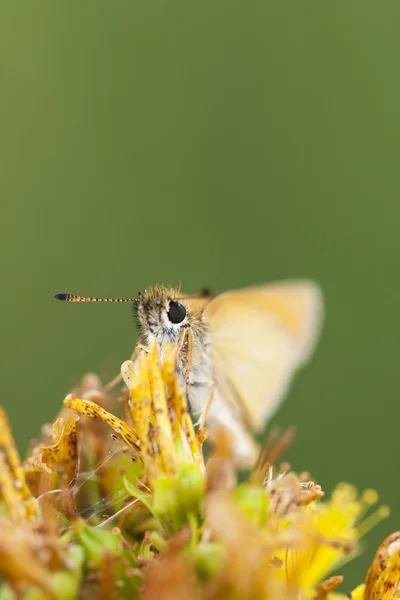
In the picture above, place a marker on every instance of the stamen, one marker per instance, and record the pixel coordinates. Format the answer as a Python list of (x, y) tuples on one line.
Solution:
[(379, 515)]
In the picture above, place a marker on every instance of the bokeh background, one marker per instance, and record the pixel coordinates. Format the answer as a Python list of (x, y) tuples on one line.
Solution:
[(216, 143)]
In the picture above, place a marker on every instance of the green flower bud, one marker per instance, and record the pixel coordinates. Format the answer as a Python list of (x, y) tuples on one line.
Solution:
[(208, 559), (191, 485), (166, 503), (175, 497), (96, 542), (253, 500)]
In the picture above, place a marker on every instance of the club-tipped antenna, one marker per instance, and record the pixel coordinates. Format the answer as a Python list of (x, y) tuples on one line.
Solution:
[(73, 298)]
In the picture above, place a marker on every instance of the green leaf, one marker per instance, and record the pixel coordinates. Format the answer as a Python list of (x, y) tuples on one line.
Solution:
[(136, 493)]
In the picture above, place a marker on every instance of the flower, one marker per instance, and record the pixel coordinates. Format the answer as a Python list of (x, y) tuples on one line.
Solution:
[(141, 514), (329, 531), (31, 553)]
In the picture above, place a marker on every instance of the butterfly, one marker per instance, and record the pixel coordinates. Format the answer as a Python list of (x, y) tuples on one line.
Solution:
[(244, 346)]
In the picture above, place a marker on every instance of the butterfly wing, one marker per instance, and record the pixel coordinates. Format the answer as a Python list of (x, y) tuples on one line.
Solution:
[(258, 338)]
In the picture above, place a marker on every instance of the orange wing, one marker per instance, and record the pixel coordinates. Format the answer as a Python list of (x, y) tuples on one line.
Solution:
[(259, 336)]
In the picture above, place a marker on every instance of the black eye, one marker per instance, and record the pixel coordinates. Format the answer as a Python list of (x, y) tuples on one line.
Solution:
[(177, 312)]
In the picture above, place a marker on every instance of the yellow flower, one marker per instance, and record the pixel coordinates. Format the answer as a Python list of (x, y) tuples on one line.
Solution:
[(194, 529), (162, 436), (321, 536), (299, 538)]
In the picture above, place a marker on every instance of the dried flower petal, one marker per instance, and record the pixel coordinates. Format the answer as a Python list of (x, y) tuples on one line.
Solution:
[(60, 457), (178, 405), (383, 578), (13, 487), (93, 411)]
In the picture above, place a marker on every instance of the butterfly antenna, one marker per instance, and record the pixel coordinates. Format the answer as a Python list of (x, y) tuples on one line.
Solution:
[(73, 298)]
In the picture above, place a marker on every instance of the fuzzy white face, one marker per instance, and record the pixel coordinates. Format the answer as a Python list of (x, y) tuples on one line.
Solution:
[(160, 317)]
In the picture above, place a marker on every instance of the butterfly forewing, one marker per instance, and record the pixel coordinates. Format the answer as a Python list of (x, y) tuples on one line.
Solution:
[(258, 337)]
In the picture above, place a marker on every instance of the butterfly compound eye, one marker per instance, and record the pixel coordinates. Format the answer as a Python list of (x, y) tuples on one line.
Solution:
[(177, 312)]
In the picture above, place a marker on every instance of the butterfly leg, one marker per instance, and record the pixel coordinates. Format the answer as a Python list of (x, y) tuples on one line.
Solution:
[(189, 359), (142, 348), (187, 336), (204, 412), (181, 339)]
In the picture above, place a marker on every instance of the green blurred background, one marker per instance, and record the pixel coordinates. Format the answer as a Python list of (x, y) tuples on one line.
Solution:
[(217, 143)]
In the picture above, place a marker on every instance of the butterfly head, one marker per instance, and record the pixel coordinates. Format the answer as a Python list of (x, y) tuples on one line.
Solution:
[(161, 314)]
